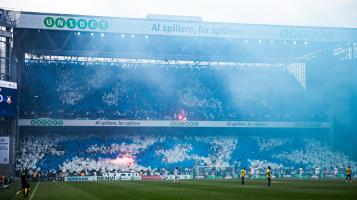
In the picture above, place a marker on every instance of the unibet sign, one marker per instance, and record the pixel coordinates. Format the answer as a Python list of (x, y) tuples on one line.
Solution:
[(46, 122), (72, 23)]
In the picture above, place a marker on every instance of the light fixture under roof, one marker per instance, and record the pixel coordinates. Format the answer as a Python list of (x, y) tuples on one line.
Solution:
[(174, 18)]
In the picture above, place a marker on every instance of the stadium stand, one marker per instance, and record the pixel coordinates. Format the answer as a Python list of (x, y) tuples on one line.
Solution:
[(95, 154), (163, 92)]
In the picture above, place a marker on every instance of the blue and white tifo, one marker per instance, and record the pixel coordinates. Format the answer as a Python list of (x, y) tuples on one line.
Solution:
[(103, 95)]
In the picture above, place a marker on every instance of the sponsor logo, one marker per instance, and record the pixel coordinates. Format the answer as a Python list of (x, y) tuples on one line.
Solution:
[(106, 178), (155, 177), (184, 123), (306, 34), (308, 125), (71, 23), (5, 98), (77, 178), (46, 122)]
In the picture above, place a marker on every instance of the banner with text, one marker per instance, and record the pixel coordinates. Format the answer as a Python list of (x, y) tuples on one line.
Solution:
[(181, 28), (167, 123), (4, 150), (119, 177)]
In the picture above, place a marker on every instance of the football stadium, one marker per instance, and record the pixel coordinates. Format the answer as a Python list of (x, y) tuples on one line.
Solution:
[(175, 107)]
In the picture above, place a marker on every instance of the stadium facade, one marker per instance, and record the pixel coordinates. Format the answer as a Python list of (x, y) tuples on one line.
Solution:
[(135, 92)]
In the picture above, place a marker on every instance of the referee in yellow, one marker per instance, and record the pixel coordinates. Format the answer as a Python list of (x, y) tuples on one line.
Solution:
[(348, 173), (243, 173), (268, 173)]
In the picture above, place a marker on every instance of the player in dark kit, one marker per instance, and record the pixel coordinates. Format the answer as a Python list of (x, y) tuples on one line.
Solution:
[(348, 173), (268, 173), (25, 183), (242, 175)]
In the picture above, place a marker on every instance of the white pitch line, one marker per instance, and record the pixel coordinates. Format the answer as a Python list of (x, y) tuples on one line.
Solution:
[(38, 183)]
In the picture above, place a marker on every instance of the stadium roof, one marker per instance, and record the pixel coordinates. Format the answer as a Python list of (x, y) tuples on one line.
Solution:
[(152, 26), (79, 35)]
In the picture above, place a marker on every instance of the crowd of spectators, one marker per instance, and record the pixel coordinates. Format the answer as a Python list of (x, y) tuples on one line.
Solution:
[(91, 90), (98, 154), (70, 90)]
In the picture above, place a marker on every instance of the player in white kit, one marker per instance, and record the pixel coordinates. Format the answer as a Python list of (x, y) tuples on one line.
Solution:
[(176, 174), (252, 172), (335, 172), (301, 171), (317, 172), (165, 175)]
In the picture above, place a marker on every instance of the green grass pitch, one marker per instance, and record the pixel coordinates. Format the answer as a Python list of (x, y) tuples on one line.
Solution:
[(195, 189)]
